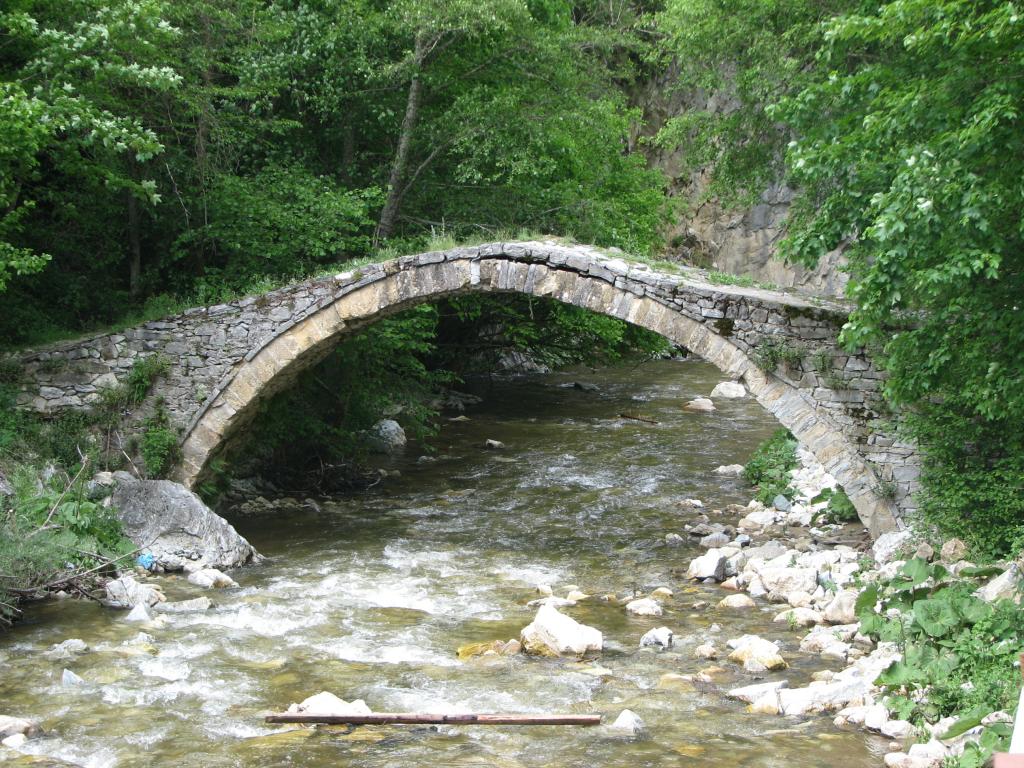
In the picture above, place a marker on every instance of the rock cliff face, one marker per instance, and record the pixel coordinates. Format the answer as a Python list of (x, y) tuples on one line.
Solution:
[(741, 242)]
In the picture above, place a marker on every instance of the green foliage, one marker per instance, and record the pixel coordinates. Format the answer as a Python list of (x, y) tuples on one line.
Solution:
[(160, 444), (769, 467), (772, 353), (477, 331), (958, 648), (50, 532), (724, 278), (839, 510), (909, 153)]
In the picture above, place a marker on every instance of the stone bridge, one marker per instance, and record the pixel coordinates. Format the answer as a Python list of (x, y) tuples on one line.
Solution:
[(225, 359)]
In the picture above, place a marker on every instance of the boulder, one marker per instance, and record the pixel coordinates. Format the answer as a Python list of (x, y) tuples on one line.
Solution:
[(11, 726), (628, 722), (757, 519), (211, 577), (662, 637), (710, 565), (756, 654), (554, 634), (326, 703), (1005, 586), (645, 606), (126, 592), (493, 445), (738, 600), (953, 551), (890, 545), (785, 580), (174, 525), (386, 436), (729, 390), (826, 697), (781, 503), (700, 404), (840, 609)]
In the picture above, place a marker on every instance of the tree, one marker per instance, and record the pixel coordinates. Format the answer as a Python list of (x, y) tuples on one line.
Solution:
[(909, 149)]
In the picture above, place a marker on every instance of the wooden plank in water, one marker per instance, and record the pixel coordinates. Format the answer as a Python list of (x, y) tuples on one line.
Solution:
[(417, 718)]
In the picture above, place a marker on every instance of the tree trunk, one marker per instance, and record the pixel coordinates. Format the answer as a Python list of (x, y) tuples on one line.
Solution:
[(389, 215), (135, 247)]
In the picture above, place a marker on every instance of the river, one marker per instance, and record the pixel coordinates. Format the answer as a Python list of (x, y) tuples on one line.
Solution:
[(369, 596)]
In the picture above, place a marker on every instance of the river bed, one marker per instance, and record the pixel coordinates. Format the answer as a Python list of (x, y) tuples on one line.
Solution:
[(369, 595)]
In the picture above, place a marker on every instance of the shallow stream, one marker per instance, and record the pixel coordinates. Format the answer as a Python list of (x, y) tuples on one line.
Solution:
[(370, 595)]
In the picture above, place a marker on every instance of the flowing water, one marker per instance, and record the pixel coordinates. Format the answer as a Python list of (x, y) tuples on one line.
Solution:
[(370, 595)]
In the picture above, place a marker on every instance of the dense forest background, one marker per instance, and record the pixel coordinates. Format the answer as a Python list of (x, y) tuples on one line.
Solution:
[(160, 154)]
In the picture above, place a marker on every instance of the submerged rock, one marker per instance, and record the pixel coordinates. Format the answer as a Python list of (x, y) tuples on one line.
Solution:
[(554, 634), (494, 648), (196, 605), (700, 404), (68, 649), (175, 526), (730, 470), (139, 613), (70, 680), (739, 600), (645, 606)]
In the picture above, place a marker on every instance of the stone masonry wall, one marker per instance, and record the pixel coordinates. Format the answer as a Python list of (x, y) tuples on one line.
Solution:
[(206, 347)]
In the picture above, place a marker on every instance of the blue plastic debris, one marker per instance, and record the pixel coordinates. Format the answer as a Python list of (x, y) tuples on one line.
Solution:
[(146, 560)]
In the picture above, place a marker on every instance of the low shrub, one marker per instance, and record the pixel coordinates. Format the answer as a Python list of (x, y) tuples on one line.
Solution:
[(769, 467)]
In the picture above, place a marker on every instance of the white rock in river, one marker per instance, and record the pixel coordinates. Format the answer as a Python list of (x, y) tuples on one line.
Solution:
[(14, 742), (326, 703), (661, 636), (68, 649), (729, 390), (730, 470), (710, 565), (784, 580), (139, 613), (554, 634), (9, 726), (645, 606), (755, 653), (702, 404), (70, 680), (629, 722), (841, 609), (739, 600), (751, 693), (126, 592), (211, 577)]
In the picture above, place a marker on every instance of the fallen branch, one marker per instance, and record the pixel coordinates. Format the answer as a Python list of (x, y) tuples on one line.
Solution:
[(416, 718)]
